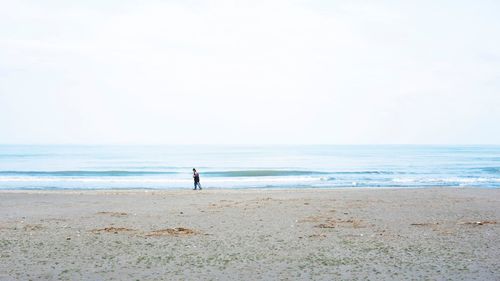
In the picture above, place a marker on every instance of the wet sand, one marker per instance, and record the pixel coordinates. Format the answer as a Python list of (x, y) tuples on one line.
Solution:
[(376, 234)]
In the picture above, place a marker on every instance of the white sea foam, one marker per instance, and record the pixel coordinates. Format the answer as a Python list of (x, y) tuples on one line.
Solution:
[(446, 180)]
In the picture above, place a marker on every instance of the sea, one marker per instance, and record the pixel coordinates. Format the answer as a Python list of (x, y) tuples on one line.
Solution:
[(76, 167)]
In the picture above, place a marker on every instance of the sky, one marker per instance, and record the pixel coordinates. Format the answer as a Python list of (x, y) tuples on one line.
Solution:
[(250, 72)]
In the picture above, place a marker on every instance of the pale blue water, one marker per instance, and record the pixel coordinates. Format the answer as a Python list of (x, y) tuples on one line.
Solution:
[(163, 167)]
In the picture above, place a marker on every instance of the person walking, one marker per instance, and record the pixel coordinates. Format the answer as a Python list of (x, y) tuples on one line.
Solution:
[(196, 177)]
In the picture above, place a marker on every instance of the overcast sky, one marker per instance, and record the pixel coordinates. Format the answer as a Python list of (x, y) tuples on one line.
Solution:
[(250, 72)]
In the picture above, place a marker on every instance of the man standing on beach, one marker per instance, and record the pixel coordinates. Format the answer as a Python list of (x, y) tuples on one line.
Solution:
[(196, 178)]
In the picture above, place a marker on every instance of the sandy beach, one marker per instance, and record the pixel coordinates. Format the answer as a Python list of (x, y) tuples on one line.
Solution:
[(358, 234)]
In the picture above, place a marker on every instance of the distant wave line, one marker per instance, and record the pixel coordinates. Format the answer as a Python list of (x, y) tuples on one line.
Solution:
[(492, 170), (84, 173), (230, 174), (261, 173)]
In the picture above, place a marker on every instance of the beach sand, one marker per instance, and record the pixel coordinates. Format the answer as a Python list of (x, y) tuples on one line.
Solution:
[(300, 234)]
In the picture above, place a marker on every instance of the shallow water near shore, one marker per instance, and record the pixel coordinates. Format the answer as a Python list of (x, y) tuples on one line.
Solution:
[(319, 166)]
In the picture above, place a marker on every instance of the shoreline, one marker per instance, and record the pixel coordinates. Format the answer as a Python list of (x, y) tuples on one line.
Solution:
[(239, 189)]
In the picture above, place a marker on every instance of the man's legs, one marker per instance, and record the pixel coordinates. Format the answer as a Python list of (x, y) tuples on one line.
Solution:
[(197, 184)]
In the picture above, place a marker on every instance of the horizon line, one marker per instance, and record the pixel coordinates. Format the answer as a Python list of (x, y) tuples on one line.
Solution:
[(249, 144)]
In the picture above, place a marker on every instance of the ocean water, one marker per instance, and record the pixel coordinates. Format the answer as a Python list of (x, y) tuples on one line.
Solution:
[(320, 166)]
